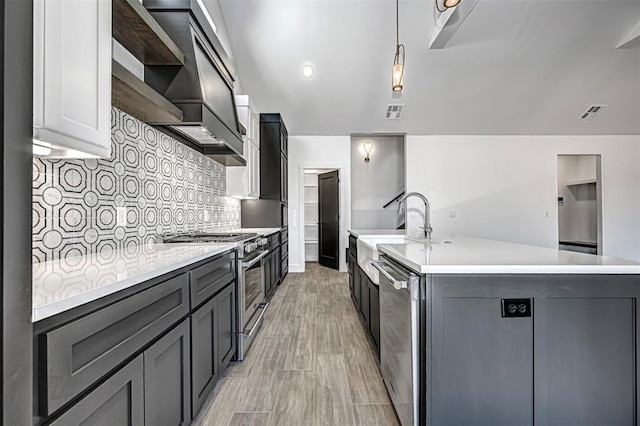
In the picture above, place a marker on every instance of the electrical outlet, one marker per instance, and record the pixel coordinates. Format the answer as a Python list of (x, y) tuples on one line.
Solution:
[(121, 216), (452, 215), (514, 308), (546, 213)]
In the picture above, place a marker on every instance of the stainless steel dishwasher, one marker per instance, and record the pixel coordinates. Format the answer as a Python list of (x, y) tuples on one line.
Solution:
[(399, 327)]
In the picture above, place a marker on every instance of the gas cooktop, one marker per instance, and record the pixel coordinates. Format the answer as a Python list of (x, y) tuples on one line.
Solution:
[(206, 237)]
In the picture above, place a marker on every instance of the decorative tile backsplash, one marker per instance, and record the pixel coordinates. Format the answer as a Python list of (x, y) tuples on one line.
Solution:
[(151, 186)]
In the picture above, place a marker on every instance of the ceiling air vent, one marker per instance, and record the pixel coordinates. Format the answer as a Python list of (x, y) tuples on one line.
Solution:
[(394, 111), (591, 113)]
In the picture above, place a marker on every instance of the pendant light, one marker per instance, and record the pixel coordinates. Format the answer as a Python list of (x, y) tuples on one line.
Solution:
[(447, 4), (397, 72)]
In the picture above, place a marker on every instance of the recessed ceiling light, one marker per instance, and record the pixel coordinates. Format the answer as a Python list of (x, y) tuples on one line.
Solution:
[(307, 71)]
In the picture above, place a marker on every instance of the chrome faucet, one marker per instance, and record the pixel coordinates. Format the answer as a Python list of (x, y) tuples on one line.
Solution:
[(427, 225)]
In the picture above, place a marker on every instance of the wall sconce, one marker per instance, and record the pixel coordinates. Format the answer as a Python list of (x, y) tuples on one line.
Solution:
[(447, 4), (368, 146)]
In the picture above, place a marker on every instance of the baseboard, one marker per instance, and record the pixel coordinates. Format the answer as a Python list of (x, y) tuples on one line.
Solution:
[(296, 268)]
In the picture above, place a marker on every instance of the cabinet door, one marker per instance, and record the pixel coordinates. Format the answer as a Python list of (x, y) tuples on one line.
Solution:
[(276, 263), (72, 76), (356, 286), (482, 364), (204, 370), (364, 296), (226, 331), (268, 281), (374, 313), (284, 142), (284, 176), (167, 382), (585, 352), (118, 401), (350, 265)]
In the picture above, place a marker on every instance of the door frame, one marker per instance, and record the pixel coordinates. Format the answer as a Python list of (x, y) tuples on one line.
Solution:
[(599, 204), (344, 212)]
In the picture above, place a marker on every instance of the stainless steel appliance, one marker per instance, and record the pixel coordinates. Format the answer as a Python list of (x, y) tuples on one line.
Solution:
[(399, 337), (251, 304)]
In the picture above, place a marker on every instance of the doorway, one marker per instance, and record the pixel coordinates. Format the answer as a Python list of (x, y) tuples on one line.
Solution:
[(322, 217), (580, 203)]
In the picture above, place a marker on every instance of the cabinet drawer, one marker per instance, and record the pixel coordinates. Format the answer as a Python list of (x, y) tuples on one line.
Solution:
[(284, 236), (208, 279), (77, 354), (274, 241), (284, 250)]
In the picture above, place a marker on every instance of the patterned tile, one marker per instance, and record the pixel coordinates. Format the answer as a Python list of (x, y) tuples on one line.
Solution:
[(164, 185)]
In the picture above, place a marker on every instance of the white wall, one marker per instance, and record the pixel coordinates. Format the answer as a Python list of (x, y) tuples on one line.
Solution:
[(501, 186), (316, 152), (375, 183)]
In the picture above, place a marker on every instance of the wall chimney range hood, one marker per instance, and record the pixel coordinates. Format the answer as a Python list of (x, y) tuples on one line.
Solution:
[(202, 88)]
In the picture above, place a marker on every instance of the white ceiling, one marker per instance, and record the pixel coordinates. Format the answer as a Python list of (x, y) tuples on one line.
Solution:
[(513, 66)]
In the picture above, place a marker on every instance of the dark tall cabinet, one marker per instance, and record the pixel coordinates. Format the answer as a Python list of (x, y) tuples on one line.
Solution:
[(270, 211)]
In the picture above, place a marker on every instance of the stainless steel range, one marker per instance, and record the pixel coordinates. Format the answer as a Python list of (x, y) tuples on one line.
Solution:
[(251, 304)]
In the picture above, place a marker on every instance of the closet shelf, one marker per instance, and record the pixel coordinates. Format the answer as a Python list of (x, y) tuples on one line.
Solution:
[(581, 182)]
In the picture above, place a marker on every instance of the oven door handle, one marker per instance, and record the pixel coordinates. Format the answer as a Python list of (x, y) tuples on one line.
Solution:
[(255, 260)]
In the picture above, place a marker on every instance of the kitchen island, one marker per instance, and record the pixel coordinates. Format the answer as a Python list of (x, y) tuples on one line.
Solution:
[(508, 333)]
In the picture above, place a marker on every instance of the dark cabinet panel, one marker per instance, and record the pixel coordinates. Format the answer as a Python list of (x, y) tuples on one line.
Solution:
[(585, 359), (167, 379), (204, 371), (79, 353), (356, 286), (268, 280), (273, 158), (118, 401), (364, 296), (351, 264), (284, 179), (374, 314), (484, 371), (213, 343), (227, 330)]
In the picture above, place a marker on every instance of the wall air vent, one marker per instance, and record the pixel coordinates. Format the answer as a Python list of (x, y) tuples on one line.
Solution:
[(592, 112), (394, 111)]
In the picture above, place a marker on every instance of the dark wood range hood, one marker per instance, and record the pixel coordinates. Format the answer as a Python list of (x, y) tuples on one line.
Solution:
[(197, 82)]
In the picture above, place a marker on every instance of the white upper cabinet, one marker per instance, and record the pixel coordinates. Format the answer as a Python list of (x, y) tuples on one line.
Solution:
[(244, 182), (72, 78)]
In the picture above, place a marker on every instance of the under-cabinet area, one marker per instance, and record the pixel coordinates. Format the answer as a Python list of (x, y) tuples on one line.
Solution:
[(150, 354)]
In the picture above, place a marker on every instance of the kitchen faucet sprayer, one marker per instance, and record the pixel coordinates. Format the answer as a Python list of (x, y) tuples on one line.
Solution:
[(427, 225)]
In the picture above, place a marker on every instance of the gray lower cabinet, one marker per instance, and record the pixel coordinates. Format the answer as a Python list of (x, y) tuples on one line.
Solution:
[(573, 361), (167, 379), (117, 401), (483, 364), (213, 344), (364, 296), (584, 361)]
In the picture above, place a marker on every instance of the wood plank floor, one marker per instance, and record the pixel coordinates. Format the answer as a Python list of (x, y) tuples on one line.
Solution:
[(310, 365)]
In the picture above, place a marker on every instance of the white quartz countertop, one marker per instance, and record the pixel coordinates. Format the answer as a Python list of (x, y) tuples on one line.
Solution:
[(63, 284), (261, 231), (375, 232), (466, 255)]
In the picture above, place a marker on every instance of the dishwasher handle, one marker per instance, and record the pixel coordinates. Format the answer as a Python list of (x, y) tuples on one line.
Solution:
[(397, 284)]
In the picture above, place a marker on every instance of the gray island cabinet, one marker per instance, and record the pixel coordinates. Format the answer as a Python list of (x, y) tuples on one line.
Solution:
[(572, 362), (507, 334), (148, 354)]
